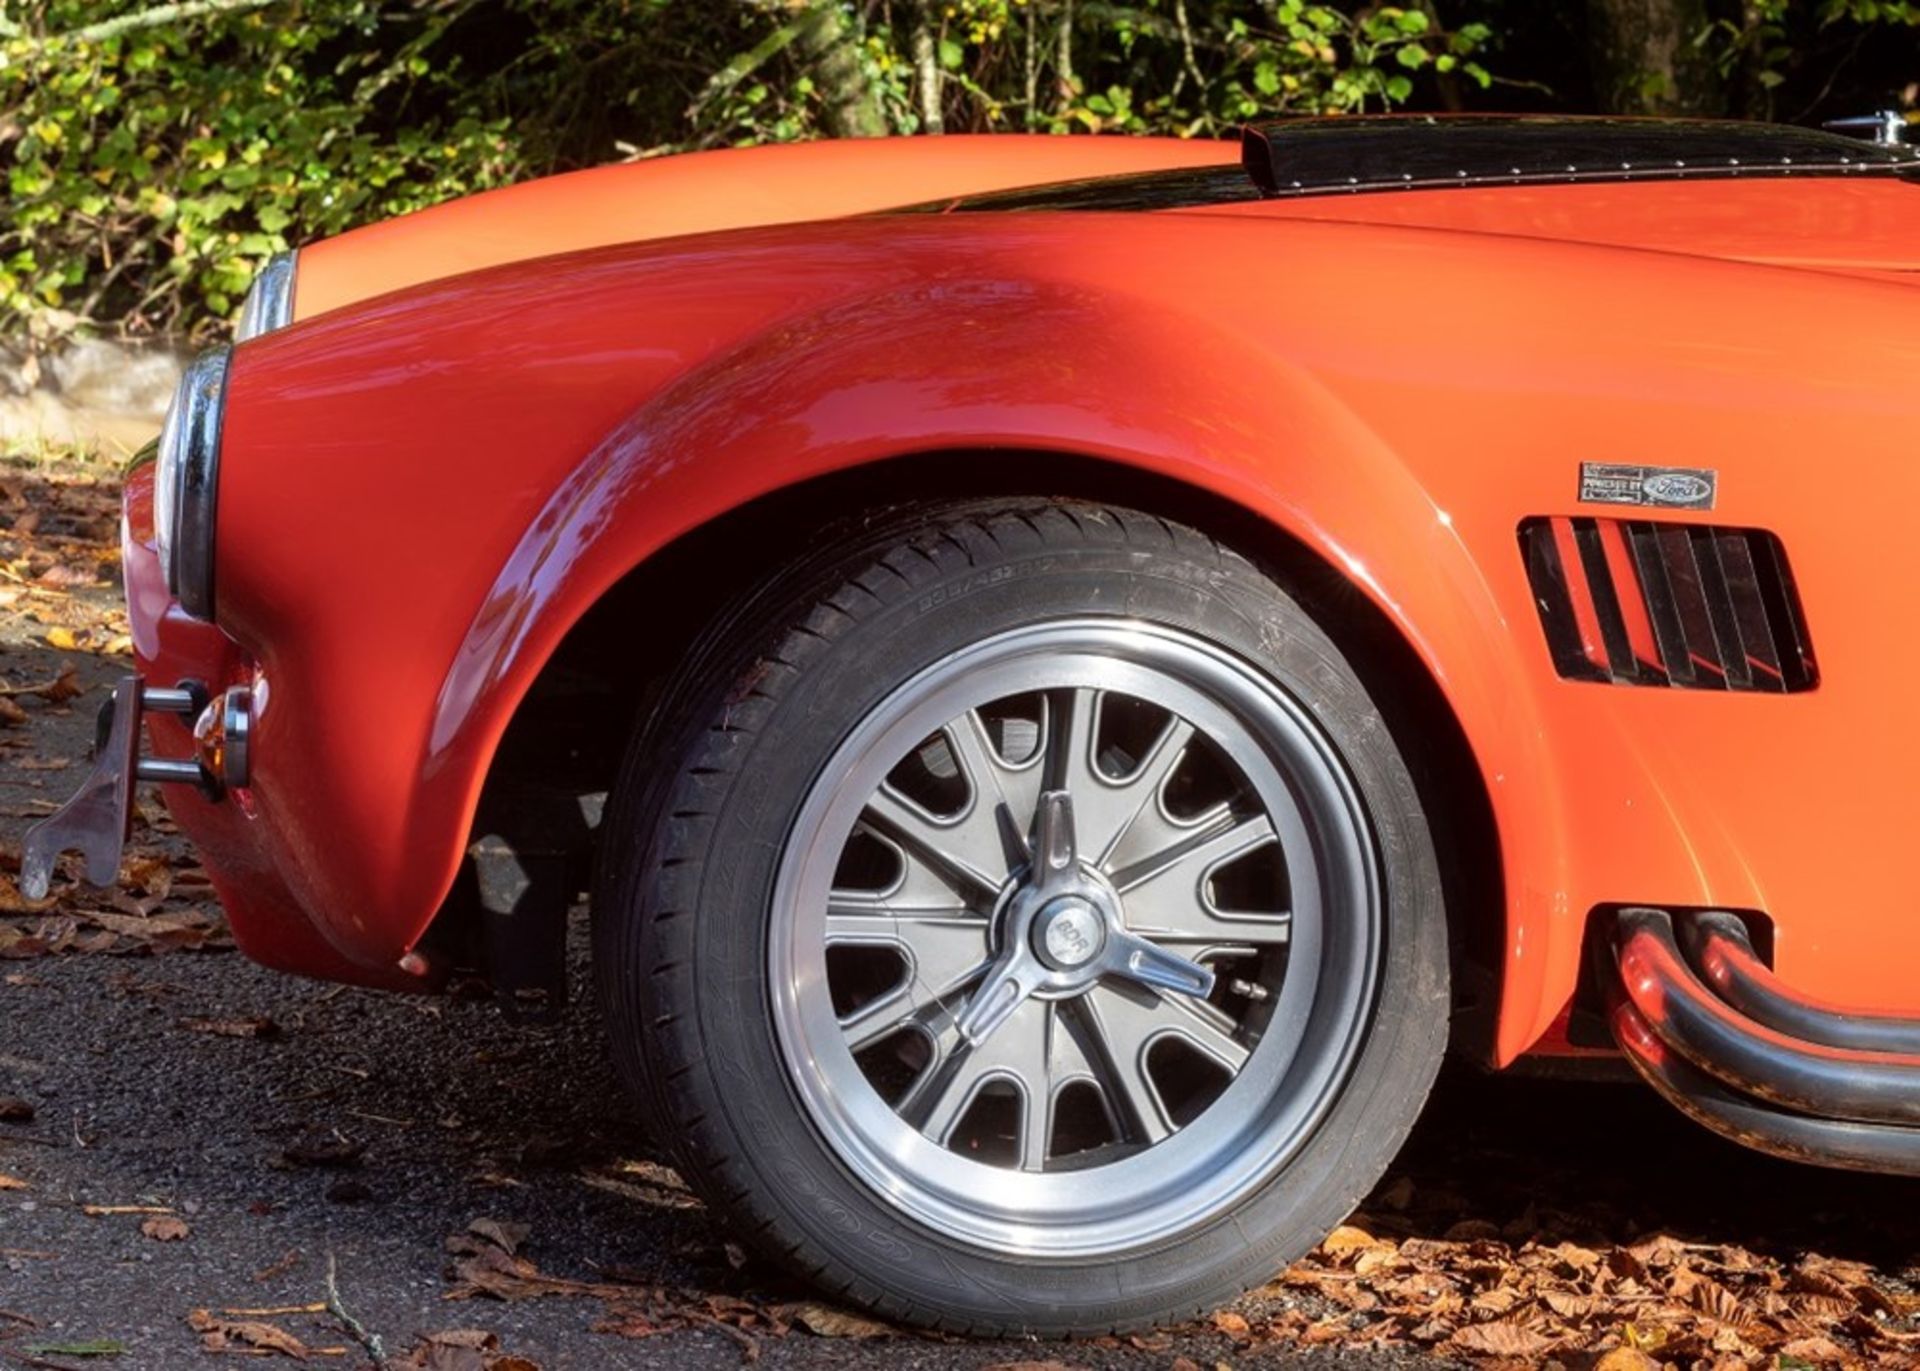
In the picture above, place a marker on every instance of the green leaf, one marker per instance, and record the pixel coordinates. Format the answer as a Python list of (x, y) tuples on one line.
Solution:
[(951, 54)]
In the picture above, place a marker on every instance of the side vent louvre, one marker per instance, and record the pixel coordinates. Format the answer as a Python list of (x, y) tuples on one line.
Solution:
[(1688, 605)]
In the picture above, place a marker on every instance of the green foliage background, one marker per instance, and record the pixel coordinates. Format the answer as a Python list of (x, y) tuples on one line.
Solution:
[(157, 153)]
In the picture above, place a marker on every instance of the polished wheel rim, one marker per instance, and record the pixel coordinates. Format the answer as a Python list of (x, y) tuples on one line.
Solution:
[(1075, 938)]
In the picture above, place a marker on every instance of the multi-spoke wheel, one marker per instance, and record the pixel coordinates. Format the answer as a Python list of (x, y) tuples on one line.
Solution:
[(1031, 927)]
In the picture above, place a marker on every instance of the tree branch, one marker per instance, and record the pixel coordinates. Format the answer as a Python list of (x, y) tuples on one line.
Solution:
[(744, 65), (1190, 63), (157, 17)]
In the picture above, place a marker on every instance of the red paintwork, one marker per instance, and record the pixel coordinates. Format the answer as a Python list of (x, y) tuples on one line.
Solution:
[(705, 192), (421, 492), (1855, 226)]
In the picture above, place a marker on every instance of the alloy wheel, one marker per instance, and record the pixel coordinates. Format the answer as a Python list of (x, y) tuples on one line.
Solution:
[(1075, 937)]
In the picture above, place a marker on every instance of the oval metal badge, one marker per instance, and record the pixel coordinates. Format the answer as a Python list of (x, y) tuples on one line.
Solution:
[(1676, 488)]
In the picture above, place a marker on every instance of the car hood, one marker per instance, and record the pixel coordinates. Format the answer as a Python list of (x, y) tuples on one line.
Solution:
[(705, 192), (1863, 226)]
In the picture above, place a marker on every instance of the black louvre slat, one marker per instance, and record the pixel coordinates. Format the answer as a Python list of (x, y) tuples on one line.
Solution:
[(1704, 643), (1606, 601), (1743, 593), (1782, 601), (1555, 602), (1722, 604), (1663, 609), (1705, 555)]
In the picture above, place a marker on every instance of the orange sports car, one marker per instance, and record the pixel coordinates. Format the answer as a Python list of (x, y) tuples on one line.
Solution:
[(1074, 669)]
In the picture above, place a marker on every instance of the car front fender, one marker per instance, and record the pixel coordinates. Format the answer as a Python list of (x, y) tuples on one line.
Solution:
[(422, 493)]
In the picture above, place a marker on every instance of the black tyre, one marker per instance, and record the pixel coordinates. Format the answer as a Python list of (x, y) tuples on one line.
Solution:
[(1022, 921)]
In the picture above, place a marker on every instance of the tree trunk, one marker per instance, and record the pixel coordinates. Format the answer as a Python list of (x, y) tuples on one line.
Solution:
[(1032, 111), (851, 105), (926, 69), (1647, 59), (1063, 84)]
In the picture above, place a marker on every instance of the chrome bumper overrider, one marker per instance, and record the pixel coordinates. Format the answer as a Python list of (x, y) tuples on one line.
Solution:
[(96, 819)]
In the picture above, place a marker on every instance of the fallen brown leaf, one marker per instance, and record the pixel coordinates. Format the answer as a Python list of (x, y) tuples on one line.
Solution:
[(63, 687), (482, 1268), (165, 1228), (461, 1349), (66, 686), (1348, 1239), (61, 576), (1233, 1325), (1626, 1359), (1500, 1339), (828, 1322), (1815, 1349), (13, 1109), (221, 1335), (505, 1236), (147, 872)]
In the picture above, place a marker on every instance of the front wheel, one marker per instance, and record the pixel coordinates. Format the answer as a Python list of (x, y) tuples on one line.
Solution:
[(1025, 924)]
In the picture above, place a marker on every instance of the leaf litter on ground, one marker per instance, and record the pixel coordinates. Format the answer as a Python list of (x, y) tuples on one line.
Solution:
[(59, 595), (1520, 1296), (488, 1263)]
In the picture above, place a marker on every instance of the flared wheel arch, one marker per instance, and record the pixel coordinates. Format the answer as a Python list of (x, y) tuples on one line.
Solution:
[(603, 679)]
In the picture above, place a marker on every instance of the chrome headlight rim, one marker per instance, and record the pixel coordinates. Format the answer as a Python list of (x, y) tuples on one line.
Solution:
[(186, 481), (269, 302)]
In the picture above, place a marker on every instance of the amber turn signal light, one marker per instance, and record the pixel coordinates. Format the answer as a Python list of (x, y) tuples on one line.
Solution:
[(222, 737)]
